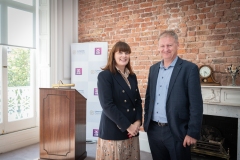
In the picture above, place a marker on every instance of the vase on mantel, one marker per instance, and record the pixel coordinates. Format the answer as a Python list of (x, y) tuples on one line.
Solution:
[(233, 70), (234, 76)]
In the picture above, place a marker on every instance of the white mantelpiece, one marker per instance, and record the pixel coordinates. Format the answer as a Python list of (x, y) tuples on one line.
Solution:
[(221, 95), (218, 101)]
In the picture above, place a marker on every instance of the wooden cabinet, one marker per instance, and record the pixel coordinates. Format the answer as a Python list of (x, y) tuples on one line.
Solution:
[(62, 124)]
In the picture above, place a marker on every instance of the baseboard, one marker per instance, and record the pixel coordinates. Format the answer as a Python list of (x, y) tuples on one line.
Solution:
[(143, 140), (19, 139)]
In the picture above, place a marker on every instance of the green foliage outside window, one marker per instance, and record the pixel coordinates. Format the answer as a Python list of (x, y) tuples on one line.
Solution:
[(19, 67)]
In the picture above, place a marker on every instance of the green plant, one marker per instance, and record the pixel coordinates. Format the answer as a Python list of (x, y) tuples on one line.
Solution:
[(19, 67)]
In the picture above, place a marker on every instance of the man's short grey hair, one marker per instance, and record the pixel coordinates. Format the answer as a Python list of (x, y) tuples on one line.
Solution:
[(170, 33)]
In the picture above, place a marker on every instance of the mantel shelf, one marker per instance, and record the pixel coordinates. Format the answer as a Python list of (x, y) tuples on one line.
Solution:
[(221, 95), (231, 87)]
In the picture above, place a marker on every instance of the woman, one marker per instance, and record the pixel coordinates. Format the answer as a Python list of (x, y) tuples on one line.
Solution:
[(122, 107)]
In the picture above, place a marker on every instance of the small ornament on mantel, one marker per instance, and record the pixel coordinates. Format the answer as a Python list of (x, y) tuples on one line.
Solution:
[(233, 70)]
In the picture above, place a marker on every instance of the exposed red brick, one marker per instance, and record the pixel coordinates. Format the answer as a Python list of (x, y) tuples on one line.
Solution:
[(221, 25), (206, 50), (211, 3), (192, 17), (232, 36), (194, 50), (190, 56), (232, 60), (215, 37), (184, 8), (230, 42), (202, 27), (212, 20), (221, 7), (229, 18), (194, 23), (201, 5), (210, 15), (144, 5), (220, 31), (219, 60), (195, 45), (191, 39), (212, 43), (192, 11), (170, 5), (158, 3), (191, 33), (219, 14), (201, 16), (189, 2), (211, 26), (236, 47), (229, 12), (201, 38), (235, 4), (201, 56), (219, 1), (208, 30), (231, 53), (146, 15), (224, 48), (193, 6), (205, 10), (233, 24), (181, 51), (174, 10), (205, 32)]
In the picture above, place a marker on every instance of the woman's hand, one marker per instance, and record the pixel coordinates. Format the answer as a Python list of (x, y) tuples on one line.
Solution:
[(138, 123), (134, 129)]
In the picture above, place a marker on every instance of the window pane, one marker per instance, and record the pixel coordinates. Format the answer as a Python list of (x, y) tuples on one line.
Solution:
[(19, 84), (1, 24), (1, 97), (20, 27), (28, 2)]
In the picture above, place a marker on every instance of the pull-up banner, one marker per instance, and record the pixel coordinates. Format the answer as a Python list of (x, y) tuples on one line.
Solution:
[(87, 59)]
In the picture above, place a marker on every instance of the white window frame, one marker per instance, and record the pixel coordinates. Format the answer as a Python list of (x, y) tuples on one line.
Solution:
[(13, 126), (4, 5)]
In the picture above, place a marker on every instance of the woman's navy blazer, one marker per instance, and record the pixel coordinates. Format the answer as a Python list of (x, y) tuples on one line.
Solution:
[(121, 105)]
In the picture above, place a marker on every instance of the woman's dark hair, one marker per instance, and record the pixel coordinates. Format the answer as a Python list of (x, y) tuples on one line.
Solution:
[(119, 46)]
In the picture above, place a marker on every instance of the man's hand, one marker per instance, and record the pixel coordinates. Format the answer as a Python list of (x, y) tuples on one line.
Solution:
[(189, 141)]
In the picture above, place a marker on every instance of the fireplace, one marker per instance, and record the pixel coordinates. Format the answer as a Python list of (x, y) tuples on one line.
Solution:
[(221, 110), (218, 138)]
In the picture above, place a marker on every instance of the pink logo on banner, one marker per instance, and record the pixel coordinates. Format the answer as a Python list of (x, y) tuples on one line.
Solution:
[(95, 132), (78, 71), (95, 92), (98, 51)]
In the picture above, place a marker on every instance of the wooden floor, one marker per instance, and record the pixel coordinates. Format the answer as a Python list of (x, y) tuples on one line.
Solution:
[(32, 153)]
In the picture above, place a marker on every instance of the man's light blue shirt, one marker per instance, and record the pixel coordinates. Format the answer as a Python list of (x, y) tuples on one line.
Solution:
[(164, 75)]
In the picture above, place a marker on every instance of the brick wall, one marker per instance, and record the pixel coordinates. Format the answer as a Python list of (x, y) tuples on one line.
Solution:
[(209, 31)]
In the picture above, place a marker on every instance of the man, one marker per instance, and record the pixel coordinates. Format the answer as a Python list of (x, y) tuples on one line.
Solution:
[(173, 104)]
